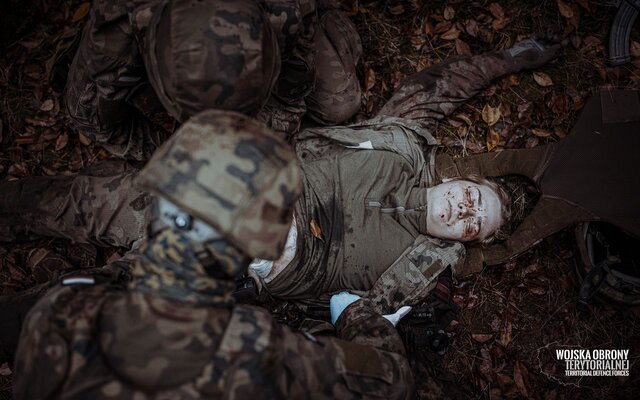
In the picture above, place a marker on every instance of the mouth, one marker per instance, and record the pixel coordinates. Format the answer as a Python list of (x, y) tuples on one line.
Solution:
[(449, 212)]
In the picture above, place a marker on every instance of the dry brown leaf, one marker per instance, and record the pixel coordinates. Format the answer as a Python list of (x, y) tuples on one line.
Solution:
[(451, 34), (462, 48), (471, 26), (449, 13), (397, 10), (560, 132), (83, 139), (542, 79), (521, 377), (369, 79), (442, 26), (481, 337), (31, 44), (315, 229), (465, 118), (634, 49), (506, 330), (496, 10), (535, 289), (5, 370), (490, 115), (81, 12), (493, 139), (499, 23), (47, 105), (565, 9), (427, 28), (61, 141), (541, 132)]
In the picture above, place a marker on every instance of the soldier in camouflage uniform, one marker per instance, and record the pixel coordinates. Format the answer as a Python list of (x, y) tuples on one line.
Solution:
[(225, 188), (138, 58), (341, 222)]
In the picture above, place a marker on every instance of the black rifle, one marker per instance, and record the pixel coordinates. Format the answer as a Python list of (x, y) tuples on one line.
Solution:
[(621, 31)]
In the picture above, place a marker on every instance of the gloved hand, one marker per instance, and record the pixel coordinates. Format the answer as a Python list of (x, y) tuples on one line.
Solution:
[(342, 300), (397, 316), (534, 52), (339, 302)]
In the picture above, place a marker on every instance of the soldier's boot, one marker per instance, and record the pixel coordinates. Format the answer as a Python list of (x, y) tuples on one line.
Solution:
[(336, 95)]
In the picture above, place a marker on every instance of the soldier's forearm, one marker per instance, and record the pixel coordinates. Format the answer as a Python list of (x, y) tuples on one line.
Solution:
[(361, 323), (432, 94)]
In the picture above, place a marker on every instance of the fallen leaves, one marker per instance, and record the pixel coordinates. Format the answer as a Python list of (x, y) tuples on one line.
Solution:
[(369, 79), (81, 12), (565, 9), (315, 229), (521, 378), (542, 79), (490, 115), (61, 142)]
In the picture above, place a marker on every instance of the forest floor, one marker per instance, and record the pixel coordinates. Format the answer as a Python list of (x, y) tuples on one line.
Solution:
[(514, 316)]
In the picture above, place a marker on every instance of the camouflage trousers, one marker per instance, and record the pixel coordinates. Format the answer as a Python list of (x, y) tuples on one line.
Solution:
[(99, 205), (336, 95)]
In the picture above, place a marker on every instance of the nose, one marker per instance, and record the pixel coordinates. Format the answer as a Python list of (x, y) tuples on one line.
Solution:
[(465, 210)]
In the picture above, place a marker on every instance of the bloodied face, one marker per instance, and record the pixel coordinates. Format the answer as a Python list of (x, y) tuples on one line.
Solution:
[(463, 210)]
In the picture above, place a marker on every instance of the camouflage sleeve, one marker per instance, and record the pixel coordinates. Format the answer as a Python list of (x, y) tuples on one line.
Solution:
[(430, 95), (367, 360), (294, 22), (105, 75), (414, 274)]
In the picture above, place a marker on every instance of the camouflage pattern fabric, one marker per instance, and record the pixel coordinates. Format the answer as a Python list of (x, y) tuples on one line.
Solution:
[(431, 94), (117, 95), (202, 54), (196, 171), (175, 334), (336, 96), (99, 205), (440, 95)]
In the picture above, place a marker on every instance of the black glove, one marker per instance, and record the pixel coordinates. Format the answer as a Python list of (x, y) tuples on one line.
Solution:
[(534, 52)]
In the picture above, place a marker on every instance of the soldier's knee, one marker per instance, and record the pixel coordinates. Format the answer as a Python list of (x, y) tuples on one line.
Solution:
[(337, 111)]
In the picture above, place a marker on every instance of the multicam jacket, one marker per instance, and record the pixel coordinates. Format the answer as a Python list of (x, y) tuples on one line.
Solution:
[(175, 333), (111, 100)]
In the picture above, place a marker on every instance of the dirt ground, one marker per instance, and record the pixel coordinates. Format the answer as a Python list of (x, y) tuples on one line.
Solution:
[(513, 317)]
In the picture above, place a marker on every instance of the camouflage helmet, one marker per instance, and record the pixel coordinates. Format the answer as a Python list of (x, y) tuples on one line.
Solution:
[(203, 54), (233, 173)]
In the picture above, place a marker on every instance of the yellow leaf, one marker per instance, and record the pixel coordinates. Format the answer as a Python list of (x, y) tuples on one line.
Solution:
[(369, 79), (541, 132), (47, 105), (315, 229), (462, 48), (451, 34), (449, 13), (565, 9), (83, 139), (81, 12), (62, 141), (496, 10), (542, 79), (493, 139), (490, 115), (397, 10), (465, 118)]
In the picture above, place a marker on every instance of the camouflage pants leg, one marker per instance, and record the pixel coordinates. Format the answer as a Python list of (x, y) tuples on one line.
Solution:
[(336, 96), (99, 205)]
